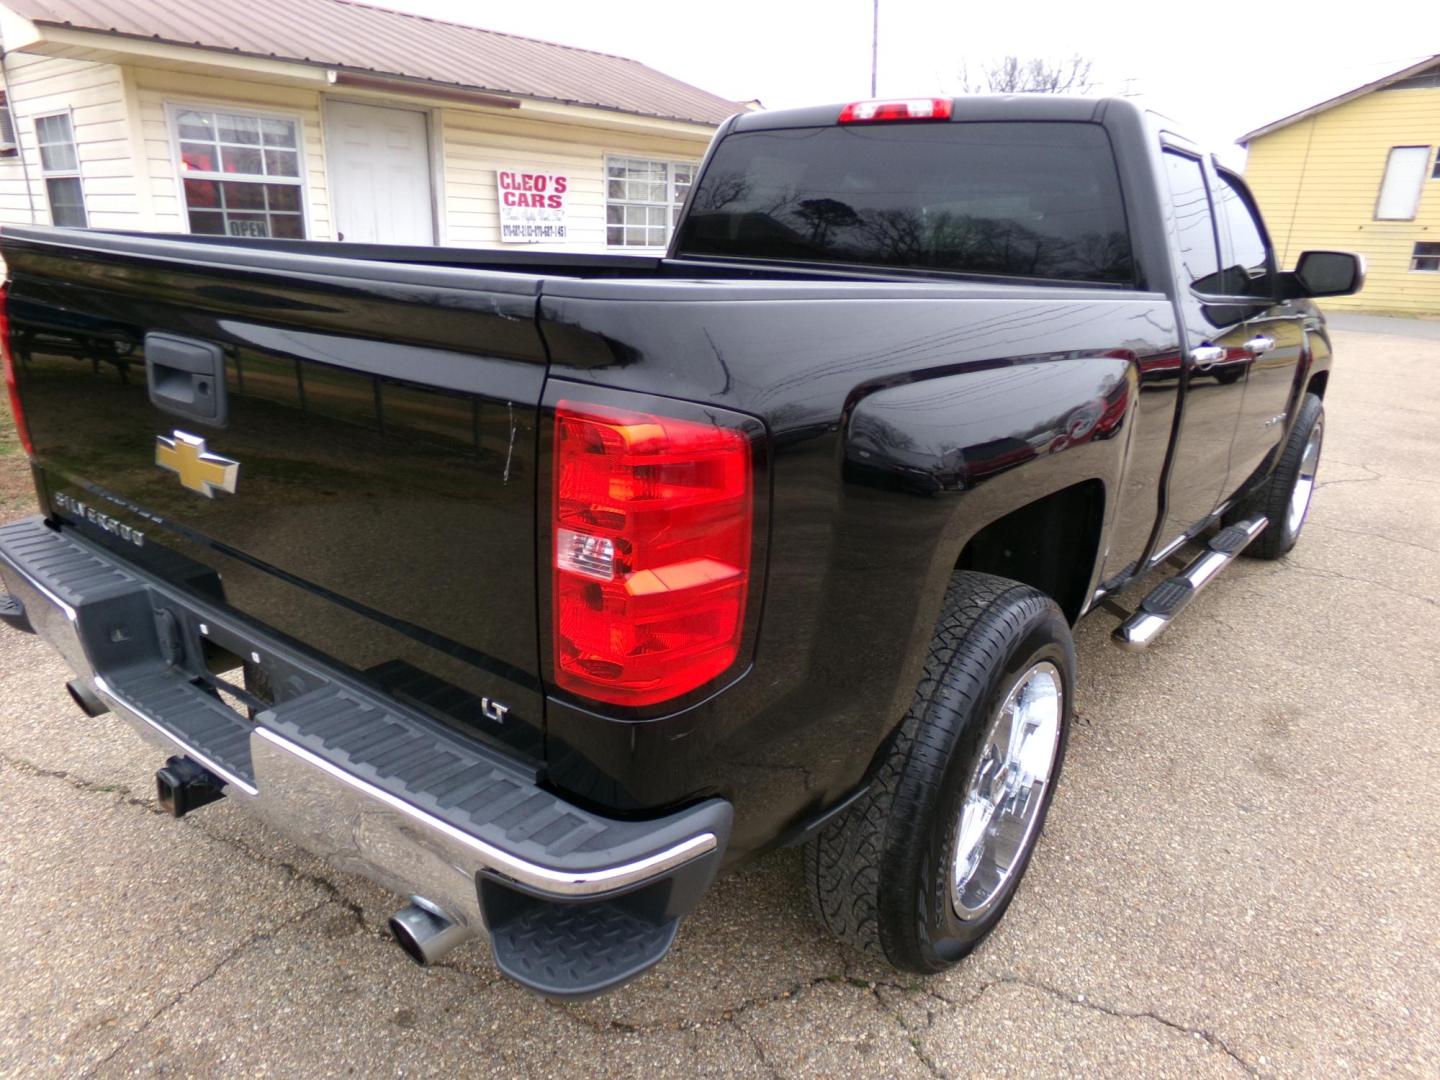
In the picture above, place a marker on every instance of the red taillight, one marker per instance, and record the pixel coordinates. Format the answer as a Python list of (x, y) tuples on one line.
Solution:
[(11, 383), (651, 554), (875, 112)]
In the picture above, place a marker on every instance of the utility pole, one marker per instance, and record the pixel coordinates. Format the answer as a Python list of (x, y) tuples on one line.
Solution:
[(874, 45)]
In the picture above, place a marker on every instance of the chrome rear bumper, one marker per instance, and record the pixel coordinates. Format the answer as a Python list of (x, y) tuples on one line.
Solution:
[(475, 835)]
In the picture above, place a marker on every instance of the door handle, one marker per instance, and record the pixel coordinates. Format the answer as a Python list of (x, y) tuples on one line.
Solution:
[(1205, 355), (1259, 345)]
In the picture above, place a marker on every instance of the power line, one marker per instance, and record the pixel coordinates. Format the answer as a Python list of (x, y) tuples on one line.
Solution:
[(874, 44)]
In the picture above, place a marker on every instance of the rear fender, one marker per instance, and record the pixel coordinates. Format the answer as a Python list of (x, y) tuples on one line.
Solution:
[(1044, 426)]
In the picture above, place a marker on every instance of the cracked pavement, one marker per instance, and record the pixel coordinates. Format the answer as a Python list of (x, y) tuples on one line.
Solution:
[(1241, 872)]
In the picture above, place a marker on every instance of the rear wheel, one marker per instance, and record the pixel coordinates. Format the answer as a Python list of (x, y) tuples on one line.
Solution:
[(923, 866), (1284, 499)]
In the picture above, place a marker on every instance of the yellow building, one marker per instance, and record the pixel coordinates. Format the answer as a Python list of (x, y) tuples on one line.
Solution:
[(1361, 172)]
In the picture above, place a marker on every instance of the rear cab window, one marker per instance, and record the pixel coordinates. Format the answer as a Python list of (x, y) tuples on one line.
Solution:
[(1033, 200)]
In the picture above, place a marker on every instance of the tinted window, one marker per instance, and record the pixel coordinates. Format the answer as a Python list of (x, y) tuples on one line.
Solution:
[(1247, 263), (1199, 257), (1039, 200)]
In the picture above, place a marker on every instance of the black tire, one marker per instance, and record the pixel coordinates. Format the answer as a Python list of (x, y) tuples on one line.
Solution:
[(879, 875), (1273, 498)]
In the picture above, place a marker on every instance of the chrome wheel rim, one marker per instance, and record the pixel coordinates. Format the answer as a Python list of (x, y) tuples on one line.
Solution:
[(1001, 808), (1305, 481)]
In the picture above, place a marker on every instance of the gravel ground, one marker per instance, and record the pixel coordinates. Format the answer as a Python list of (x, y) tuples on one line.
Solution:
[(1241, 873)]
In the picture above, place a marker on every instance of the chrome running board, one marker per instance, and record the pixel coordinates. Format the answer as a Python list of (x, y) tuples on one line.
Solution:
[(1160, 606)]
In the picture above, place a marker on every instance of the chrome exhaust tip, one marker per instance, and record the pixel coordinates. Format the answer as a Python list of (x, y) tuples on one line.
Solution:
[(85, 698), (425, 932)]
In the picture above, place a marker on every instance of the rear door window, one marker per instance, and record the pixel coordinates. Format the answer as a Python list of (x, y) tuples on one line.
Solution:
[(1029, 200), (1194, 223), (1248, 270)]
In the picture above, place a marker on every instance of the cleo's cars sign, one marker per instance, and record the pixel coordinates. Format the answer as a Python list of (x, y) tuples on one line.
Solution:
[(532, 206)]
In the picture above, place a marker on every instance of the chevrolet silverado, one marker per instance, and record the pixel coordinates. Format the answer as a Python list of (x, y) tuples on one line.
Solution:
[(541, 587)]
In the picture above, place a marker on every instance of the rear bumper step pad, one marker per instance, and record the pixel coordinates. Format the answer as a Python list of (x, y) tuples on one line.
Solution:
[(575, 902)]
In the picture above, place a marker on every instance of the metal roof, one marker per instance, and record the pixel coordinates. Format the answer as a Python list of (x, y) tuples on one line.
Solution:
[(351, 36), (1350, 95)]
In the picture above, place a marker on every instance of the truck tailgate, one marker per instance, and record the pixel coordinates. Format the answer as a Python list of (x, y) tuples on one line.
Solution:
[(342, 450)]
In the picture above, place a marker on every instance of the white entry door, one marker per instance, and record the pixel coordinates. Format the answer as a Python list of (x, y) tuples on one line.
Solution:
[(379, 165)]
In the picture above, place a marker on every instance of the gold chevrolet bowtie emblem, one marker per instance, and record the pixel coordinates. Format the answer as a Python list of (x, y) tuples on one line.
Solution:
[(199, 471)]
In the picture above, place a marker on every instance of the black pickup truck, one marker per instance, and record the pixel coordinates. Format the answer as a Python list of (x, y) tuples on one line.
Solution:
[(540, 587)]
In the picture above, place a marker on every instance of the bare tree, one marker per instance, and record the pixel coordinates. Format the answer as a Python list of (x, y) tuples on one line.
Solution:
[(1012, 75), (824, 217)]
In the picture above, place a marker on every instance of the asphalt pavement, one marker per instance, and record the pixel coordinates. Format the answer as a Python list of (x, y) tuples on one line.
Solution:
[(1241, 872), (1422, 329)]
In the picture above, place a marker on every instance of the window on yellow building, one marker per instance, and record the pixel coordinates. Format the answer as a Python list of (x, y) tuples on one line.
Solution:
[(1400, 189), (1427, 258)]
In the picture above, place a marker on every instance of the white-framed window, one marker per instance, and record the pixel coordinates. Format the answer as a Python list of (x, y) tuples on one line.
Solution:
[(1426, 257), (1400, 188), (240, 171), (60, 166), (9, 145), (643, 199)]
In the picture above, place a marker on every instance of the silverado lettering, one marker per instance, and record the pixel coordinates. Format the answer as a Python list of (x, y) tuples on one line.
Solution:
[(111, 525)]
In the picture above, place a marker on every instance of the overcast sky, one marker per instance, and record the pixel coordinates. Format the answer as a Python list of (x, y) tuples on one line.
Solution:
[(1219, 75)]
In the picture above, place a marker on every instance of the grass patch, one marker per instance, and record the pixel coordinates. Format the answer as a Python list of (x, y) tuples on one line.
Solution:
[(17, 489), (9, 441)]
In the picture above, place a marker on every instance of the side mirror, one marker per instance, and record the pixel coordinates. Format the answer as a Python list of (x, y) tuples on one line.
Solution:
[(1324, 273)]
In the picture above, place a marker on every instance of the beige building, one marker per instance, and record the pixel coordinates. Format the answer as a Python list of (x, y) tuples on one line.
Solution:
[(328, 119)]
